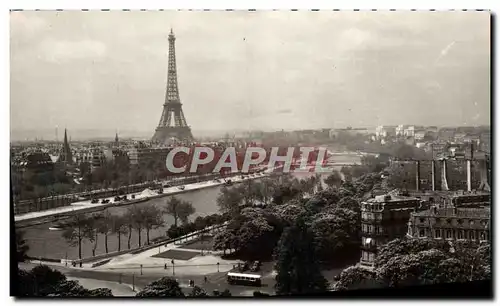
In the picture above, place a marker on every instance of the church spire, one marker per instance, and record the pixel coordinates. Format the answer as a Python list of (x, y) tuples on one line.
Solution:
[(66, 154)]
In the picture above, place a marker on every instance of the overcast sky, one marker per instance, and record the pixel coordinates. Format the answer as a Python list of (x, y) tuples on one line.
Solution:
[(250, 70)]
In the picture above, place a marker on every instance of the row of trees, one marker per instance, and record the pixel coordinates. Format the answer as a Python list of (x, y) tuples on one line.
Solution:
[(410, 262), (138, 218)]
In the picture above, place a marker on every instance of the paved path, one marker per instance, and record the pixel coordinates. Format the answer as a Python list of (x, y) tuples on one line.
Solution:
[(216, 281), (116, 288)]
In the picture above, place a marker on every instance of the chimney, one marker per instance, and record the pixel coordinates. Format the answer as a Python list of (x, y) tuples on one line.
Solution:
[(433, 173), (418, 175), (444, 176)]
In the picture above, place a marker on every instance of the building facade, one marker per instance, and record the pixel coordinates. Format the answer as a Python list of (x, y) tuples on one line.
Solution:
[(471, 224), (383, 219), (146, 156)]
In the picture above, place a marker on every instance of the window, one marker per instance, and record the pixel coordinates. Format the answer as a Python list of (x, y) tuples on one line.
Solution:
[(421, 232), (482, 236), (371, 257), (437, 233), (448, 221), (460, 221), (471, 222), (460, 234), (449, 234), (471, 235), (422, 220)]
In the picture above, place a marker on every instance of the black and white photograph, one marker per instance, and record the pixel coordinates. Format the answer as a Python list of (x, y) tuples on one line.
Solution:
[(250, 153)]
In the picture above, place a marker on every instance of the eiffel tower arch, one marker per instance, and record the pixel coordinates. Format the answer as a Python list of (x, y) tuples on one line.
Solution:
[(173, 124)]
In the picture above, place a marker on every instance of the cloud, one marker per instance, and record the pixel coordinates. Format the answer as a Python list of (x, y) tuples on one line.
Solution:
[(56, 51), (26, 23), (284, 111)]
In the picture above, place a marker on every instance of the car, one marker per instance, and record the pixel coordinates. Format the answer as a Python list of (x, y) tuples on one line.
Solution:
[(182, 187), (94, 201), (167, 186), (255, 266)]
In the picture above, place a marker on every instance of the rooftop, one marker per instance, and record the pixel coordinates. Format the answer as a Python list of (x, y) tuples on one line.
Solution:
[(387, 198), (459, 212)]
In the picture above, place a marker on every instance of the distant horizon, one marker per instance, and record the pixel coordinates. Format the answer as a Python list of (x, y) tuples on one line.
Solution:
[(76, 134)]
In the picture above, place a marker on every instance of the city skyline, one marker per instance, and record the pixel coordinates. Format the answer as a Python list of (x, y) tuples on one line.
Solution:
[(251, 70)]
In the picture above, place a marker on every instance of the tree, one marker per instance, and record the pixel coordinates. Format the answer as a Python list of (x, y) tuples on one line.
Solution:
[(180, 210), (287, 192), (21, 246), (254, 233), (404, 262), (349, 203), (161, 288), (198, 292), (137, 221), (297, 267), (45, 281), (105, 227), (405, 246), (152, 218), (226, 240), (336, 235), (201, 222), (119, 227), (94, 228), (76, 231), (355, 277), (129, 219), (229, 200), (413, 269), (334, 179), (225, 293)]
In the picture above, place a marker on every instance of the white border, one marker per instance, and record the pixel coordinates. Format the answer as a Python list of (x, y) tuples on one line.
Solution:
[(186, 4)]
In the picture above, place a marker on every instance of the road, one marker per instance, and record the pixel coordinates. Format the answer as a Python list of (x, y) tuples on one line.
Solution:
[(215, 281)]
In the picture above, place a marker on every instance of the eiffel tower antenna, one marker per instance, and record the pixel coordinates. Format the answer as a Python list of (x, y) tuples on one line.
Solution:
[(172, 123)]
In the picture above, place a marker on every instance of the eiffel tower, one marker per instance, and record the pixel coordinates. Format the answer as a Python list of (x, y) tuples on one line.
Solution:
[(172, 122)]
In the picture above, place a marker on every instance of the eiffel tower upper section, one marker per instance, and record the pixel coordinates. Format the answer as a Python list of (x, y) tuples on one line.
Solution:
[(173, 124)]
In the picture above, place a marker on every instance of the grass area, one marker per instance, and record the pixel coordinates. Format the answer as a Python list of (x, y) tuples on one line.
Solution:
[(207, 244), (176, 254)]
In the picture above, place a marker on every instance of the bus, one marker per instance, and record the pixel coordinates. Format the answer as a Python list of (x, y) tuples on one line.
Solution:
[(244, 279)]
